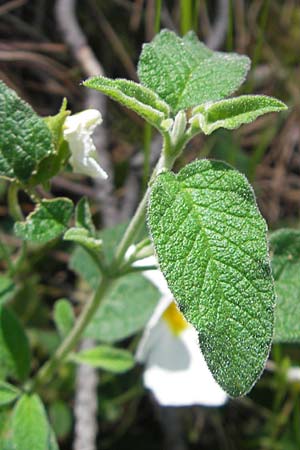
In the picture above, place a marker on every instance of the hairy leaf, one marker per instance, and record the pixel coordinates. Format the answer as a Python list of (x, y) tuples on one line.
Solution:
[(211, 244), (83, 237), (83, 216), (139, 98), (233, 112), (185, 73), (25, 138), (49, 219), (112, 359), (285, 251), (30, 424)]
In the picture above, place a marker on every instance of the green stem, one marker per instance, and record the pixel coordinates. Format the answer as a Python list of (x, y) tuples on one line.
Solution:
[(157, 16), (139, 216), (186, 22), (6, 256), (147, 152), (13, 202), (46, 372)]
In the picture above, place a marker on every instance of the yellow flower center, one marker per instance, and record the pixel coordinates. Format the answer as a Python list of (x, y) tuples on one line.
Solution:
[(175, 319)]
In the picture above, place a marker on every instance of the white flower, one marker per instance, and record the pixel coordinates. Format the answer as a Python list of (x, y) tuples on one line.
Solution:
[(175, 369), (78, 130)]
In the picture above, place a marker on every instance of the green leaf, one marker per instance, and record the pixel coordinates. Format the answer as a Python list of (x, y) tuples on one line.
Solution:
[(60, 154), (125, 310), (107, 358), (61, 419), (63, 316), (185, 73), (83, 216), (8, 393), (30, 424), (233, 112), (84, 265), (5, 429), (14, 345), (7, 287), (25, 138), (82, 236), (140, 99), (285, 251), (211, 244), (49, 219)]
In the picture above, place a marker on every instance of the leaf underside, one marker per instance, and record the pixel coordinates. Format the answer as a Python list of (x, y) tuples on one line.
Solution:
[(234, 112), (211, 244), (185, 73), (139, 98)]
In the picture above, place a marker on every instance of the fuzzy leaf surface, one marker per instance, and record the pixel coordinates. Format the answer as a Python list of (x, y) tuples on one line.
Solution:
[(211, 244), (185, 73), (49, 219), (30, 424), (140, 99), (112, 359), (83, 216), (83, 237), (25, 138), (285, 251), (234, 112)]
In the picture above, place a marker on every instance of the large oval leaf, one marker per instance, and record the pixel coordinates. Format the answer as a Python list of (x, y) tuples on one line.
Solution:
[(211, 244)]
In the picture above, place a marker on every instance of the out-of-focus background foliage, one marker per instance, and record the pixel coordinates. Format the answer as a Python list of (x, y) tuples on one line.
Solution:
[(44, 56)]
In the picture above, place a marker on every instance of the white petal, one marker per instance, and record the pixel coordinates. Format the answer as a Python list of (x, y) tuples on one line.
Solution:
[(87, 119), (78, 130), (176, 371), (155, 276)]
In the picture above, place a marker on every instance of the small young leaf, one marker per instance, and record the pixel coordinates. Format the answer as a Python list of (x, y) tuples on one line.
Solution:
[(107, 358), (285, 251), (49, 219), (14, 344), (83, 216), (8, 393), (233, 112), (63, 316), (25, 138), (7, 287), (82, 236), (30, 424), (139, 98), (58, 158), (211, 244), (125, 310), (185, 73)]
